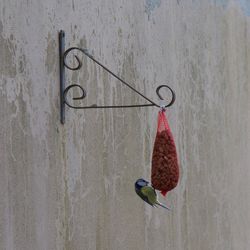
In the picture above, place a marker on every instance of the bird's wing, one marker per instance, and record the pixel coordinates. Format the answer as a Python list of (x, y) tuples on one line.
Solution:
[(145, 198), (150, 193)]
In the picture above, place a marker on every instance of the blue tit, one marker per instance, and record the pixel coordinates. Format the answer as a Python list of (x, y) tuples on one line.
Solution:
[(147, 193)]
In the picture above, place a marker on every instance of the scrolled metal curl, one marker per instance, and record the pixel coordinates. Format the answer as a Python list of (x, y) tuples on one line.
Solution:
[(160, 96), (82, 96), (79, 63)]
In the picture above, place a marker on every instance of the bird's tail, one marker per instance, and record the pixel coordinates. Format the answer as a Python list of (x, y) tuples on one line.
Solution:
[(160, 204)]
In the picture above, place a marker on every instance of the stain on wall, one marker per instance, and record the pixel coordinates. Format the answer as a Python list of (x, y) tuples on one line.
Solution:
[(151, 5), (244, 5), (51, 54), (7, 52)]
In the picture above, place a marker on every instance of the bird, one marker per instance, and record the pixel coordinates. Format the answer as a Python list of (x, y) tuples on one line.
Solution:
[(147, 193)]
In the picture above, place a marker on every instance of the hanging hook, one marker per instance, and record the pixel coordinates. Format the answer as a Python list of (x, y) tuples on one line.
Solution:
[(159, 95)]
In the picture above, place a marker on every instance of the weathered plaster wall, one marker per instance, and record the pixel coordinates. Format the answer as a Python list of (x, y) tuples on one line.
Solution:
[(71, 187)]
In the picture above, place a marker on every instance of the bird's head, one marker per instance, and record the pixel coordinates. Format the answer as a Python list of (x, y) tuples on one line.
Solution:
[(141, 183)]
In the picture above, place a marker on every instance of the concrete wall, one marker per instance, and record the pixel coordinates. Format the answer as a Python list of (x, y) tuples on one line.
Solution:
[(72, 187)]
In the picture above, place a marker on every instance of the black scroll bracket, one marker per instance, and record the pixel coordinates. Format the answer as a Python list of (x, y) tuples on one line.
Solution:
[(64, 90)]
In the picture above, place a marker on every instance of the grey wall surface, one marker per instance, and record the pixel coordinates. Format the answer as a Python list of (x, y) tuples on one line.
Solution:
[(71, 187)]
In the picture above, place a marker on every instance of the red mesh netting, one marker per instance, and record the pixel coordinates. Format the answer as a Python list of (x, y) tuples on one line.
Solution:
[(165, 168)]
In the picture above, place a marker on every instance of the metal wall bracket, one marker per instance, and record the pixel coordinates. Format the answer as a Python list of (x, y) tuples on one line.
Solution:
[(64, 90)]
